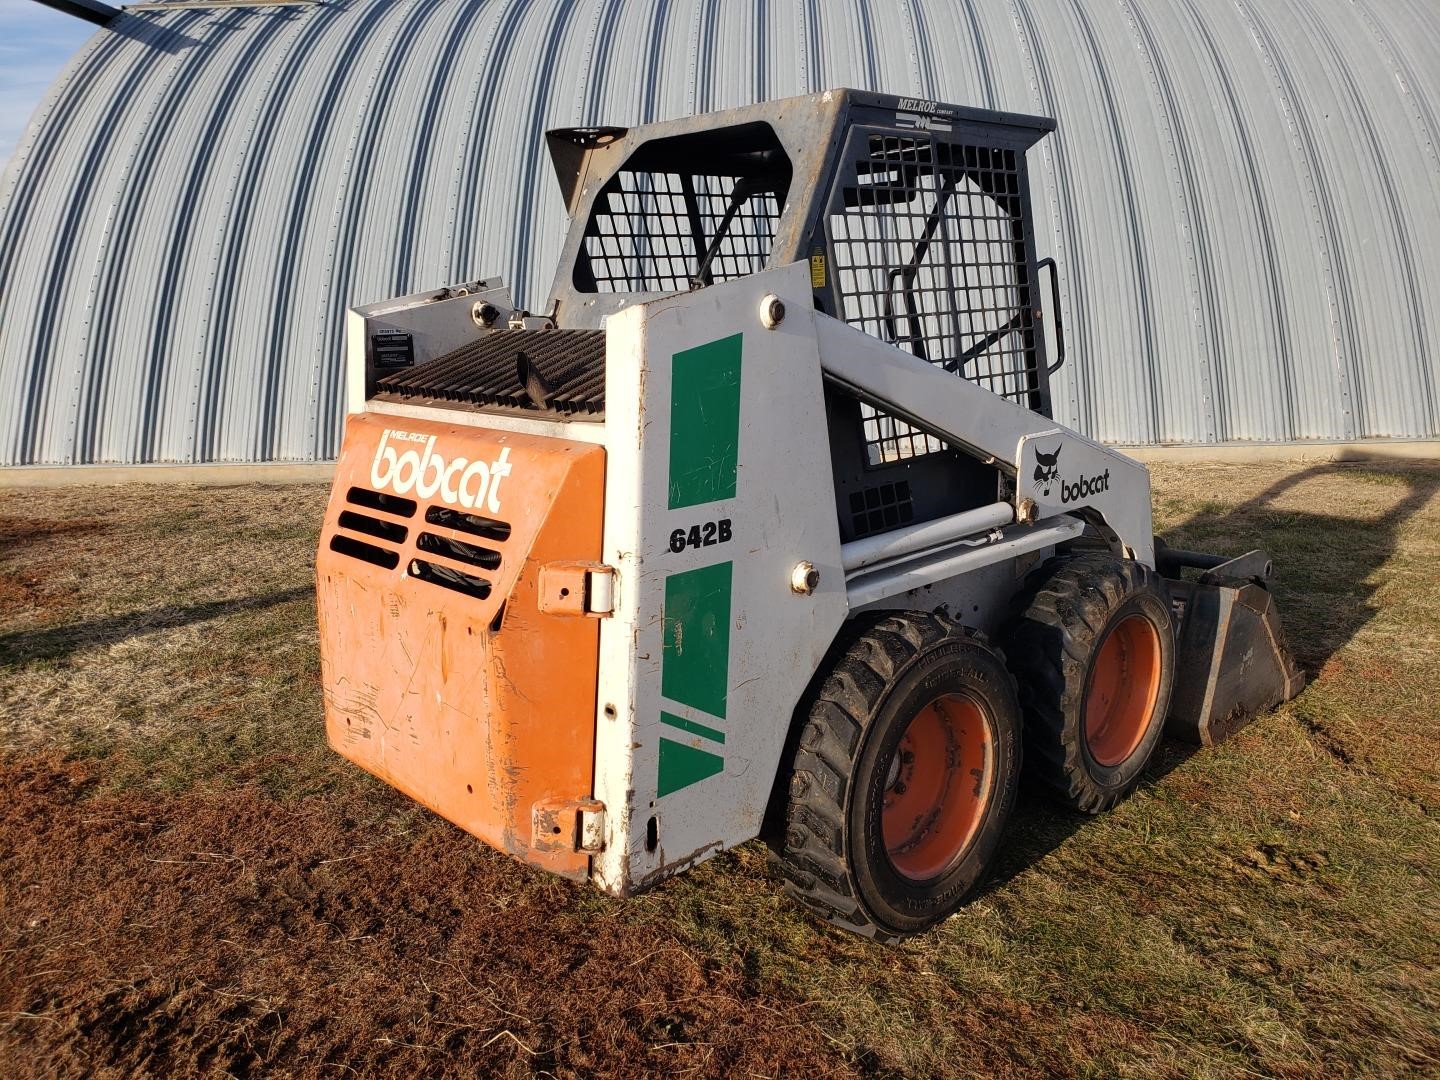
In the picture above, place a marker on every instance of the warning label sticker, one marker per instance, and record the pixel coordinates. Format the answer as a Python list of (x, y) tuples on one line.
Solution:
[(817, 270)]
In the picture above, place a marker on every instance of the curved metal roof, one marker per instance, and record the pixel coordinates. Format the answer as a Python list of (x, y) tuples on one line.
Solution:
[(1244, 198)]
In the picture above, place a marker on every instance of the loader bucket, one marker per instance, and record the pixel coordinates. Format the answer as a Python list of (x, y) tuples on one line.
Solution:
[(1232, 663)]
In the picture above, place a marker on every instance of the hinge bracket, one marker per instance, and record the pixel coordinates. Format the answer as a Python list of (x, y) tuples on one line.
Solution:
[(578, 588), (568, 825)]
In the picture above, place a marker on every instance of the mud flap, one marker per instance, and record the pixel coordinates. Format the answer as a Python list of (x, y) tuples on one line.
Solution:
[(1232, 663)]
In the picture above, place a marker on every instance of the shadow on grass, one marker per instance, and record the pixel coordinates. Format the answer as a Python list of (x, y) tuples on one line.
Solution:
[(59, 642), (1327, 565), (1327, 573)]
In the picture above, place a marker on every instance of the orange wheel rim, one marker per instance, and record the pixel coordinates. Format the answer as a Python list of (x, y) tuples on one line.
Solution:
[(938, 787), (1124, 684)]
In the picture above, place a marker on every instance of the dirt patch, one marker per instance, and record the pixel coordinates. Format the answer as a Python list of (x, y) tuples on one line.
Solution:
[(32, 583), (234, 934), (31, 594)]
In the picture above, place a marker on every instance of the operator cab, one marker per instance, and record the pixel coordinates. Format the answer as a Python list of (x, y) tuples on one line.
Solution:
[(917, 230)]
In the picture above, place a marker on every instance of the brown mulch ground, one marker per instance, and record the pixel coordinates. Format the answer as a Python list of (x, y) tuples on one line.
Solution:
[(145, 950)]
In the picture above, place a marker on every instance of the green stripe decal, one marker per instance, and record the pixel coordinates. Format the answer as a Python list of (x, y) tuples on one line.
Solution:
[(695, 659), (692, 727), (704, 422), (681, 766), (695, 664)]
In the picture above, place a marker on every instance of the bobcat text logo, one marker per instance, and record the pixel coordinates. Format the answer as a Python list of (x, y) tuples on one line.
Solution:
[(1084, 487), (1047, 467), (458, 481)]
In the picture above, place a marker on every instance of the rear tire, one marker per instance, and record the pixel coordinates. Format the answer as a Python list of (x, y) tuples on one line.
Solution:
[(1093, 649), (903, 778)]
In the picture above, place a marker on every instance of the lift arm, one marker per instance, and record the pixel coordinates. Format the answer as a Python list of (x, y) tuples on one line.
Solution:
[(1056, 470)]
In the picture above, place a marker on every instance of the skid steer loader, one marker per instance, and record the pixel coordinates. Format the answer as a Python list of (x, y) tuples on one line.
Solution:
[(764, 526)]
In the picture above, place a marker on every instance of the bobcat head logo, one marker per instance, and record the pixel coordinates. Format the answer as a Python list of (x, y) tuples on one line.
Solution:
[(1047, 468)]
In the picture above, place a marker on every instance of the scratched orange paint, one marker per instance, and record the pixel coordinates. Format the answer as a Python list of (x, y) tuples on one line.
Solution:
[(480, 725)]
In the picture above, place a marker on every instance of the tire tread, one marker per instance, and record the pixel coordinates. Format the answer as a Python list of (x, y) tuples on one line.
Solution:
[(812, 858), (1054, 624)]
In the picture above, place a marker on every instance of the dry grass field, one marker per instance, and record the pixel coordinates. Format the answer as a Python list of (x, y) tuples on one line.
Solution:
[(191, 883)]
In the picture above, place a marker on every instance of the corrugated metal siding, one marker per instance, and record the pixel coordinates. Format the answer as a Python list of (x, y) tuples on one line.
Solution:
[(1244, 197)]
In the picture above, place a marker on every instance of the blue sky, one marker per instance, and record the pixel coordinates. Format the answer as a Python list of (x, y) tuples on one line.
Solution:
[(35, 43)]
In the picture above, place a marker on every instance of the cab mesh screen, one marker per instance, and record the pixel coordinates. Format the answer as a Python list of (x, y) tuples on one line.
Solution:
[(651, 231), (929, 252)]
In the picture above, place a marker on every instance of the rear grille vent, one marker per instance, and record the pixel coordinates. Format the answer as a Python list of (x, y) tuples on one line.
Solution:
[(483, 558), (436, 574), (378, 529), (370, 526), (570, 365), (358, 549), (378, 500), (882, 507), (459, 551), (474, 524)]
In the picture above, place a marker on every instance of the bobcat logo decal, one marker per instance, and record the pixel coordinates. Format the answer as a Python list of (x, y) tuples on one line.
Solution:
[(1047, 468)]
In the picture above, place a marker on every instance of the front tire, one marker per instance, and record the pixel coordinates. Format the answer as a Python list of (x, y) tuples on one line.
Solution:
[(1093, 649), (903, 779)]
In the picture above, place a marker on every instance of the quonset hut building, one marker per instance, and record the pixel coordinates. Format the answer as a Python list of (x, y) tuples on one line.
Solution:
[(1244, 198)]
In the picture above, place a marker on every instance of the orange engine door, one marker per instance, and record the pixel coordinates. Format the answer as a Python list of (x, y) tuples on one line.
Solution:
[(443, 675)]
